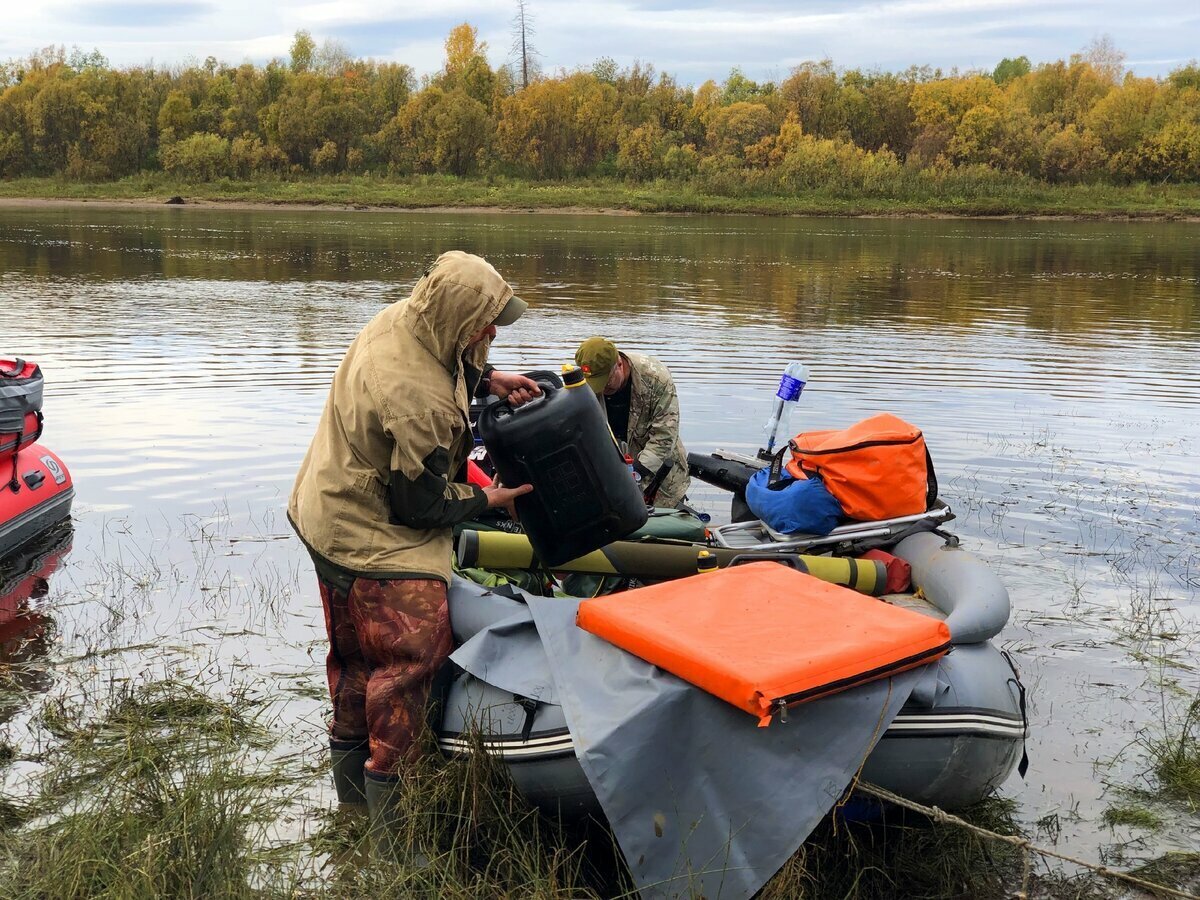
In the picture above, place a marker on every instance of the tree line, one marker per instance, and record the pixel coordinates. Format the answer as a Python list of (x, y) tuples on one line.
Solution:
[(321, 111)]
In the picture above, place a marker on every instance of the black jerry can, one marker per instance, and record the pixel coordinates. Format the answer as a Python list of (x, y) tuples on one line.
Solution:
[(583, 493)]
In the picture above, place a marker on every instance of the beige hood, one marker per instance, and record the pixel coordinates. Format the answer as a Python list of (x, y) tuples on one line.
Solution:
[(459, 295)]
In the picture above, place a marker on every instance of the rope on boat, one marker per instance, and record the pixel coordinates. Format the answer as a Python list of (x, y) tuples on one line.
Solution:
[(944, 818)]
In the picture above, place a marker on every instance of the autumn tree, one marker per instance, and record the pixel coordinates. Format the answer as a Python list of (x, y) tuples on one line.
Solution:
[(558, 127), (641, 151), (303, 52), (733, 128), (463, 46), (1103, 55), (1008, 69), (1081, 119), (811, 92)]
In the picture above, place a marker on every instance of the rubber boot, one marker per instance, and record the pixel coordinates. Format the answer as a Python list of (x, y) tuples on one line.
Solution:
[(347, 759), (384, 815)]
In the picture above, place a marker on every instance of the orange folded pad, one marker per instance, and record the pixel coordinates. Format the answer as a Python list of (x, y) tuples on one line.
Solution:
[(763, 636)]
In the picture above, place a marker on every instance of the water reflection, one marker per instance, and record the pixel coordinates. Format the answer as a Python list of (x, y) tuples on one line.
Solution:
[(26, 628), (1079, 278)]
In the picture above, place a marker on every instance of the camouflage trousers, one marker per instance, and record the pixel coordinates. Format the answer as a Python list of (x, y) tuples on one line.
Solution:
[(387, 640)]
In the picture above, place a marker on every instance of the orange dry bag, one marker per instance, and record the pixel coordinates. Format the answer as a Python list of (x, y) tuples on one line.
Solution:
[(763, 636), (878, 468)]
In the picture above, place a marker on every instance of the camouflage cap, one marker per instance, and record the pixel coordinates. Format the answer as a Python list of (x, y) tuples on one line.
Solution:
[(596, 356)]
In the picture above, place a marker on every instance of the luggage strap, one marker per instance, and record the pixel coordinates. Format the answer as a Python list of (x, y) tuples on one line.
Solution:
[(777, 466), (655, 483), (1023, 765), (20, 367), (531, 707), (14, 483)]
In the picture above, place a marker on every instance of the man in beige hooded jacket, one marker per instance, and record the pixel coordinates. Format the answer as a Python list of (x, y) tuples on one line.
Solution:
[(376, 500)]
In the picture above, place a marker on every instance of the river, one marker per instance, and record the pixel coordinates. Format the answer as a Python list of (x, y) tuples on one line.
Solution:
[(1052, 365)]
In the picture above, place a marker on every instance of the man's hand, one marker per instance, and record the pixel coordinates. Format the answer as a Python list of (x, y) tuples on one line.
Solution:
[(516, 389), (500, 496)]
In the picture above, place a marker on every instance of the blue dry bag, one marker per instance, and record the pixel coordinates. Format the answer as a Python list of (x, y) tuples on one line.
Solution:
[(790, 505)]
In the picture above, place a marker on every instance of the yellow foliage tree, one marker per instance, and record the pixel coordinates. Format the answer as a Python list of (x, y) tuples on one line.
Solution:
[(640, 151), (733, 128), (559, 127), (462, 46), (944, 102), (1071, 153), (1125, 115), (1173, 153)]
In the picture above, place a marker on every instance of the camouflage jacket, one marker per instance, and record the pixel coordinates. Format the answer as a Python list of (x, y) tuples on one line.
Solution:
[(653, 435)]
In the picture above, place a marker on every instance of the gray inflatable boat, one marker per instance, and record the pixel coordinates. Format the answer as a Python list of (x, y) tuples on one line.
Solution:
[(958, 737)]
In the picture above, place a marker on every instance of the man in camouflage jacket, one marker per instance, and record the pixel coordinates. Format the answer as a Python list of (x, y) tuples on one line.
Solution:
[(643, 412)]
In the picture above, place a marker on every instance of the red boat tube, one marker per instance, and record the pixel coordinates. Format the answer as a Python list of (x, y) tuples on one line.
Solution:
[(38, 495)]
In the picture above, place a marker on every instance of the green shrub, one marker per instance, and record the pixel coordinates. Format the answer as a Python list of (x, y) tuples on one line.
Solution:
[(325, 157), (201, 157)]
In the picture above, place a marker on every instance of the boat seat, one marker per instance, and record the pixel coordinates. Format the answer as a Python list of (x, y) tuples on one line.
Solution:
[(756, 535)]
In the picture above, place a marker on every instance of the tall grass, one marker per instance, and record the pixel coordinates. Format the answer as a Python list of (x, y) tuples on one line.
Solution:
[(903, 856), (1175, 753), (170, 790), (465, 832), (153, 797)]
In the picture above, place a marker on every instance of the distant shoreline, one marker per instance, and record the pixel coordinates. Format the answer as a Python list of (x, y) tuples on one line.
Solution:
[(1053, 203)]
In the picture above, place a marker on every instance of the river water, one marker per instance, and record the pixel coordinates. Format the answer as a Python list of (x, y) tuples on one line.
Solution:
[(1052, 365)]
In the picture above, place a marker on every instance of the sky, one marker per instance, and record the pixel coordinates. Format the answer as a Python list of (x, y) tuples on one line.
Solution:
[(691, 39)]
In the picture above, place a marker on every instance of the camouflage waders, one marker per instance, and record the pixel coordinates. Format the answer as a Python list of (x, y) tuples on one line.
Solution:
[(387, 639)]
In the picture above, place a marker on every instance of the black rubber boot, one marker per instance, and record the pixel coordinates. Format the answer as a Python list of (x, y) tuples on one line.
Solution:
[(347, 759), (384, 815)]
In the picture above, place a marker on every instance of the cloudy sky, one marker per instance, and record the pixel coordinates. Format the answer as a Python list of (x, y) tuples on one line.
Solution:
[(694, 39)]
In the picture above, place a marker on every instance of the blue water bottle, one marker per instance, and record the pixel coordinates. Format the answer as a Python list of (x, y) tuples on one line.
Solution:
[(791, 385)]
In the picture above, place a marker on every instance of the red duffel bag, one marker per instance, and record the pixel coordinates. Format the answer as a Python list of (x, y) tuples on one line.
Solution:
[(20, 405)]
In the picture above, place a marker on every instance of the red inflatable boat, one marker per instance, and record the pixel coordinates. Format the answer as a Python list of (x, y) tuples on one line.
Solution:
[(35, 487)]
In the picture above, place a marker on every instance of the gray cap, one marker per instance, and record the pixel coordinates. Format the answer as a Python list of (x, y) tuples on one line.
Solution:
[(511, 312)]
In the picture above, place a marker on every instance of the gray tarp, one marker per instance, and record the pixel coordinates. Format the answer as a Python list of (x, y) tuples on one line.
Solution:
[(700, 799)]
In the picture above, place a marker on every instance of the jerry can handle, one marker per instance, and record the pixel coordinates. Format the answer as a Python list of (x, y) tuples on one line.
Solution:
[(548, 381), (496, 410)]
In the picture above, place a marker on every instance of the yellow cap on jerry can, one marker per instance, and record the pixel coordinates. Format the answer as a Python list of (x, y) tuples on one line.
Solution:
[(706, 561), (572, 376)]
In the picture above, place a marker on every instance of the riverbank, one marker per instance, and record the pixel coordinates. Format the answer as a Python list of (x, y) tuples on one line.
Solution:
[(921, 195)]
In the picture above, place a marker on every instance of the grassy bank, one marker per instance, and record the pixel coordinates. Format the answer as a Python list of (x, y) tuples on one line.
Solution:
[(175, 788), (960, 192)]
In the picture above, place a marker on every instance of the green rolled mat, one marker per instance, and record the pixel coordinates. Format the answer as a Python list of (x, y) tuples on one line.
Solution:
[(670, 523), (646, 559)]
